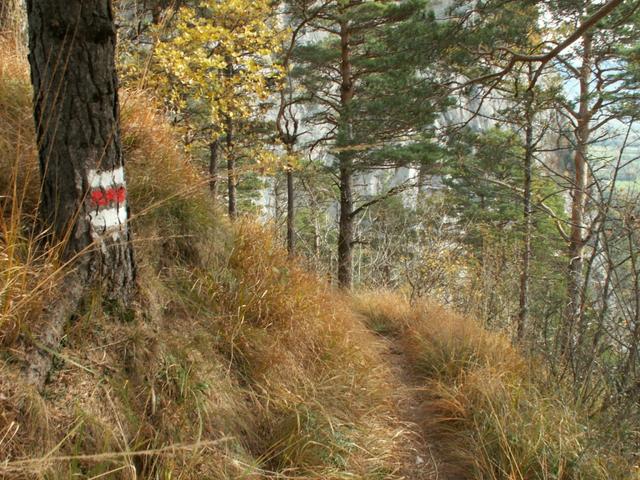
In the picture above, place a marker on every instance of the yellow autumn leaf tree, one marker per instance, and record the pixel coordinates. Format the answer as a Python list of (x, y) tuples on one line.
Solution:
[(214, 65), (215, 60)]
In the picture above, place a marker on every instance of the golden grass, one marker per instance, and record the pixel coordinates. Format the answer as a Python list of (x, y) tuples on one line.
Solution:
[(238, 363), (26, 272), (230, 341), (482, 406)]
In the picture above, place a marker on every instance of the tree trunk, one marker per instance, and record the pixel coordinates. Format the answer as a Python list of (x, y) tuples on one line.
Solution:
[(83, 196), (523, 315), (231, 161), (577, 241), (214, 158), (345, 233), (288, 133), (576, 252), (231, 185), (290, 213), (345, 159), (231, 170)]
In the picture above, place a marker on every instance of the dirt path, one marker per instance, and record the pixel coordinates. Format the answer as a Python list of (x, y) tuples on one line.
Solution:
[(422, 464)]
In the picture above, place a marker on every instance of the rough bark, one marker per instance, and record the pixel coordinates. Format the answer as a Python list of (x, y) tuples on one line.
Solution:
[(345, 159), (83, 196)]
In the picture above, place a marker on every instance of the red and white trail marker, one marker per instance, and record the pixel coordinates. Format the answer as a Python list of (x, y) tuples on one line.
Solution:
[(108, 200)]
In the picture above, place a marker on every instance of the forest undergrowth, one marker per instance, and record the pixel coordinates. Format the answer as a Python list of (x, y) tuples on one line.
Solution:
[(238, 363)]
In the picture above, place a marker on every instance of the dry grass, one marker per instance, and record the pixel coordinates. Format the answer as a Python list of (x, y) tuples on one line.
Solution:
[(302, 346), (27, 273), (482, 406), (238, 363), (253, 367)]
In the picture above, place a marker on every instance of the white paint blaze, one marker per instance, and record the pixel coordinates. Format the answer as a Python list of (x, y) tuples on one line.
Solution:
[(108, 218), (106, 179)]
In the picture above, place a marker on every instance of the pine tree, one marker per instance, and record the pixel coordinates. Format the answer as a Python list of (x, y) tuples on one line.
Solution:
[(365, 76)]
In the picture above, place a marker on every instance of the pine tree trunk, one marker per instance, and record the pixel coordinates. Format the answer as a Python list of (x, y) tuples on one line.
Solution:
[(83, 197), (231, 185), (288, 133), (577, 242), (345, 233), (231, 161), (523, 315), (231, 170), (345, 159), (214, 158), (290, 213)]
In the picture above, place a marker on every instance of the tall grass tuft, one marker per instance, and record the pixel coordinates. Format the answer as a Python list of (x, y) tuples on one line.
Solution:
[(27, 271), (482, 406)]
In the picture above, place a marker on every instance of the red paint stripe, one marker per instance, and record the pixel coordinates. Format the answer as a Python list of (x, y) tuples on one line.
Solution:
[(103, 197), (122, 195)]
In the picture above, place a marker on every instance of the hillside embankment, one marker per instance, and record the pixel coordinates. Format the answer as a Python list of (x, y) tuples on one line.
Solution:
[(236, 362)]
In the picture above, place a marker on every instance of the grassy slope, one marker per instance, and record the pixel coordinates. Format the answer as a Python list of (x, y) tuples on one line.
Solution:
[(230, 343), (261, 365), (491, 414)]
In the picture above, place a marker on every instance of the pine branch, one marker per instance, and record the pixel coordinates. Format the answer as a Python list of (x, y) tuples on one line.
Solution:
[(544, 58), (390, 193)]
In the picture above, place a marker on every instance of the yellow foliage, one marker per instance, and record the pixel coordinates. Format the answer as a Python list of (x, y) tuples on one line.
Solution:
[(216, 61)]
